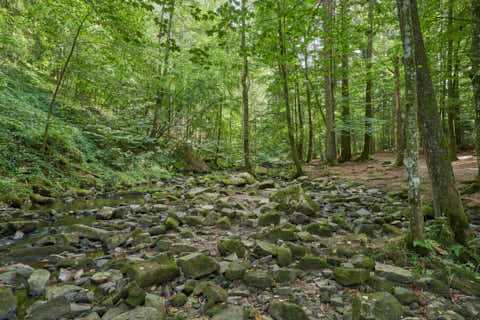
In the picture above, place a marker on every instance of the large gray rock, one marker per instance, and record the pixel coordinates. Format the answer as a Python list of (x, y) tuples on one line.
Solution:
[(106, 213), (286, 311), (293, 199), (8, 304), (144, 313), (196, 265), (38, 281), (51, 310), (393, 273), (232, 313), (91, 232), (70, 292)]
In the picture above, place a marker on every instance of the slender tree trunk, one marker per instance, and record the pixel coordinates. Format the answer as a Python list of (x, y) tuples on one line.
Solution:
[(246, 124), (452, 140), (300, 122), (219, 133), (163, 74), (60, 79), (367, 144), (475, 56), (398, 111), (456, 96), (331, 148), (445, 194), (416, 229), (283, 73), (310, 123), (346, 140)]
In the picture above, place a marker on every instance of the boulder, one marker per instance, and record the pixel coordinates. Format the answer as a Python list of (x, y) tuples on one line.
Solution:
[(8, 304), (38, 281), (232, 313), (196, 265), (149, 273), (51, 310), (144, 313), (227, 247), (378, 306), (286, 311), (187, 160), (293, 199), (257, 279), (393, 273), (350, 276)]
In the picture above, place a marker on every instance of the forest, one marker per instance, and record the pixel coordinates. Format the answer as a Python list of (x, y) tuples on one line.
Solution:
[(240, 159)]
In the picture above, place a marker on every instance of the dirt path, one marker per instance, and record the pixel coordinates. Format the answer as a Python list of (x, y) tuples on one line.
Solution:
[(379, 172)]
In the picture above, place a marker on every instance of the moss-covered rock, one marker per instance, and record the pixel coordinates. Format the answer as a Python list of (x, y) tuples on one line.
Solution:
[(38, 281), (211, 291), (284, 256), (263, 249), (285, 275), (293, 199), (281, 234), (224, 223), (379, 306), (171, 224), (286, 311), (350, 276), (236, 270), (319, 229), (257, 279), (312, 263), (389, 229), (8, 304), (227, 247), (363, 262), (149, 273), (196, 265), (267, 219), (179, 300), (187, 160)]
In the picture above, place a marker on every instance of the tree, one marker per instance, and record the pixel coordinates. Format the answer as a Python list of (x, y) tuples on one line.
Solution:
[(368, 88), (446, 199), (331, 148), (416, 228), (398, 111), (475, 58), (346, 144)]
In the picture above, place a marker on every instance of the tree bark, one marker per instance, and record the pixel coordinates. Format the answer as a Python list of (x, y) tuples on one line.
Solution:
[(300, 123), (367, 143), (310, 123), (246, 124), (60, 80), (475, 57), (398, 111), (446, 198), (416, 227), (346, 140), (452, 140), (282, 64), (331, 148)]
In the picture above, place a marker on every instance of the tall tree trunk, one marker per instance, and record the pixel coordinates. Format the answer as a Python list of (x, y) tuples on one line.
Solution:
[(282, 64), (475, 56), (416, 228), (60, 79), (346, 140), (331, 148), (367, 143), (163, 74), (310, 122), (452, 140), (246, 124), (445, 194), (398, 111), (219, 133), (300, 122)]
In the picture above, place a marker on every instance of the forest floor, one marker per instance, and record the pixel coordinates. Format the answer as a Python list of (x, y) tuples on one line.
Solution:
[(379, 173)]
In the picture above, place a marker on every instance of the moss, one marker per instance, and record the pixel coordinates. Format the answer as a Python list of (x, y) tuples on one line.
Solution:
[(227, 247), (224, 223), (269, 219), (312, 263), (179, 300), (350, 276), (147, 273), (284, 256), (281, 234)]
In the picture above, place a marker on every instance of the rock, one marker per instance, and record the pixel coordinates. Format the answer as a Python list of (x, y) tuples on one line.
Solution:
[(380, 284), (91, 232), (101, 277), (263, 249), (211, 291), (70, 292), (257, 279), (364, 262), (42, 200), (240, 180), (21, 269), (350, 276), (187, 160), (140, 236), (179, 300), (293, 199), (37, 282), (106, 213), (171, 224), (284, 256), (286, 311), (268, 184), (224, 223), (227, 247), (144, 313), (312, 263), (393, 273), (121, 212), (378, 306), (389, 229), (157, 302), (232, 313), (267, 219), (236, 270), (319, 229), (91, 316), (434, 285), (281, 234), (8, 304), (196, 265), (148, 273), (405, 296), (70, 238), (53, 309), (116, 241), (285, 276), (132, 294)]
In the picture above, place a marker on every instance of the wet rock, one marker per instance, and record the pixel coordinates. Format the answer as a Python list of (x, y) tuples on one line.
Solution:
[(286, 311), (393, 273), (350, 276), (257, 279), (8, 304), (299, 218), (267, 219), (227, 247), (196, 265), (37, 282), (53, 309), (378, 306), (293, 198), (144, 313), (148, 273), (121, 212), (42, 200)]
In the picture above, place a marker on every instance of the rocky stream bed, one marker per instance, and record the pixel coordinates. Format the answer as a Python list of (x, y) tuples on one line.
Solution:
[(227, 249)]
